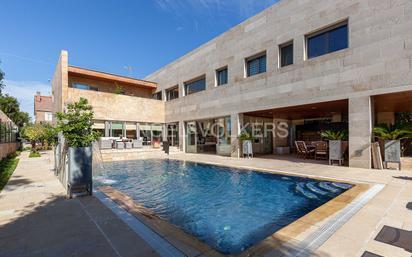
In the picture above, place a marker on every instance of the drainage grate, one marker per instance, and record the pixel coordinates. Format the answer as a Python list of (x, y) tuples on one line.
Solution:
[(316, 239)]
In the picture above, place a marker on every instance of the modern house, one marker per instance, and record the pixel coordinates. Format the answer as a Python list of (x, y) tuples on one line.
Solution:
[(312, 65), (123, 106), (43, 108)]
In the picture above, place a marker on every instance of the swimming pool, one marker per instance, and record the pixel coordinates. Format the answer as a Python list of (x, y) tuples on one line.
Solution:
[(229, 209)]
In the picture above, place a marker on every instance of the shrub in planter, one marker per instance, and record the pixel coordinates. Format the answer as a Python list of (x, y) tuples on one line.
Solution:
[(392, 136), (246, 140), (337, 144), (76, 126)]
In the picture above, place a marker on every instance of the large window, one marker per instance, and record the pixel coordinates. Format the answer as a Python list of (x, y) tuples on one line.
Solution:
[(84, 87), (256, 65), (195, 86), (286, 54), (172, 93), (327, 41), (221, 76)]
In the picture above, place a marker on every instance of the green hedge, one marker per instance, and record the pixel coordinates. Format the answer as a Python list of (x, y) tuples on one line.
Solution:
[(7, 167)]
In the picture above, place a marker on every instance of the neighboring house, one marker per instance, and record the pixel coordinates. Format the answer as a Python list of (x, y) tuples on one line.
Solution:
[(313, 65), (43, 108)]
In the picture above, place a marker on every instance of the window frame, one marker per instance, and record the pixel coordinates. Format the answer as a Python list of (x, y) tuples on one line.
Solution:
[(192, 81), (252, 58), (155, 96), (90, 88), (280, 55), (217, 77), (48, 116), (167, 91), (323, 30)]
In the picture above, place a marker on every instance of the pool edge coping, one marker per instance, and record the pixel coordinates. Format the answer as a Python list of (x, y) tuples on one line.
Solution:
[(281, 237)]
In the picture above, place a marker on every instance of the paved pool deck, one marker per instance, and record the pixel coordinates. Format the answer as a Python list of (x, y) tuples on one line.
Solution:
[(37, 220)]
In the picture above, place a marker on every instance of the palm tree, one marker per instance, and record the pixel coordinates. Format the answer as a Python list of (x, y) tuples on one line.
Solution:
[(393, 132), (334, 135)]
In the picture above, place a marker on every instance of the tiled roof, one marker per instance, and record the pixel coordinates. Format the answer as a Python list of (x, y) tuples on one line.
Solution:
[(43, 103)]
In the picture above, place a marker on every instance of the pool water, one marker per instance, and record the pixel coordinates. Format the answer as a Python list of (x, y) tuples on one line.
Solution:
[(229, 209)]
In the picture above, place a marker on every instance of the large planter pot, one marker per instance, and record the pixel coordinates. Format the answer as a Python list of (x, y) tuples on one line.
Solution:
[(392, 151), (247, 147), (80, 170), (335, 151)]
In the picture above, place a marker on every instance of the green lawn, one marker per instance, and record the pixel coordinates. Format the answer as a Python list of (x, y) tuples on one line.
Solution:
[(7, 167)]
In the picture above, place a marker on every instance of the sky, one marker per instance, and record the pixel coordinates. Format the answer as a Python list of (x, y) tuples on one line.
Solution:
[(106, 35)]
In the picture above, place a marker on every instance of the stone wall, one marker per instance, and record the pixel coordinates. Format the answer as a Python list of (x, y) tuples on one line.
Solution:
[(114, 107), (60, 83)]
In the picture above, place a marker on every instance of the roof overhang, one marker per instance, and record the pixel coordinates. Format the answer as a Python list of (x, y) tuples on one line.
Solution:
[(97, 75)]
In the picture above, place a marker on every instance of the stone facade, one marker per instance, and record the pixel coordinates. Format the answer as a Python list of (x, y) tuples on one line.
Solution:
[(133, 105), (377, 61)]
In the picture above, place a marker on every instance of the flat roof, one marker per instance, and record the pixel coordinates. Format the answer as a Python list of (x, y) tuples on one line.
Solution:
[(87, 73)]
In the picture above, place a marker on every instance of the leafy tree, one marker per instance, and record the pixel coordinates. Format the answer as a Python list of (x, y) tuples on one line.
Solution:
[(33, 133), (11, 107), (39, 133), (76, 124), (1, 81)]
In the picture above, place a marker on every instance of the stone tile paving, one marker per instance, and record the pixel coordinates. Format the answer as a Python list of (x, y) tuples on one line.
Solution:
[(37, 220)]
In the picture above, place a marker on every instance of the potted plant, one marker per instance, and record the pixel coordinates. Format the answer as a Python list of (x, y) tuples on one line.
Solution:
[(246, 139), (337, 144), (392, 136), (76, 126)]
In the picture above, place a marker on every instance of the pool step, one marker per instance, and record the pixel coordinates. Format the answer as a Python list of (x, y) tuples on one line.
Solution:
[(341, 185), (329, 187), (314, 190), (301, 188), (313, 186)]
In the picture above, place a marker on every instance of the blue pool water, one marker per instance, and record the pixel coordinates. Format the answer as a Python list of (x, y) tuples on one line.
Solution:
[(229, 209)]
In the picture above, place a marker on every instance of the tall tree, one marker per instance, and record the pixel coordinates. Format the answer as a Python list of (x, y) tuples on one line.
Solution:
[(11, 107), (1, 81)]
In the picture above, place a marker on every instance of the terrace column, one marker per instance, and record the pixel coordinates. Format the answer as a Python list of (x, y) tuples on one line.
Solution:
[(164, 132), (236, 121), (137, 130), (106, 129), (182, 136), (360, 132)]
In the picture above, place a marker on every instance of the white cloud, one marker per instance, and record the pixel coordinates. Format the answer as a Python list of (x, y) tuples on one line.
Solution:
[(24, 91)]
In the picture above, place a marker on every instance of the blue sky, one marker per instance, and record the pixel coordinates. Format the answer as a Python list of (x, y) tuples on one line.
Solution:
[(106, 35)]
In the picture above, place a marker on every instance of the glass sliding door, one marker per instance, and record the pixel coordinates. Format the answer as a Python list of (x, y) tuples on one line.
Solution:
[(224, 130), (191, 142), (173, 134), (131, 130), (157, 130), (146, 133), (117, 129)]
